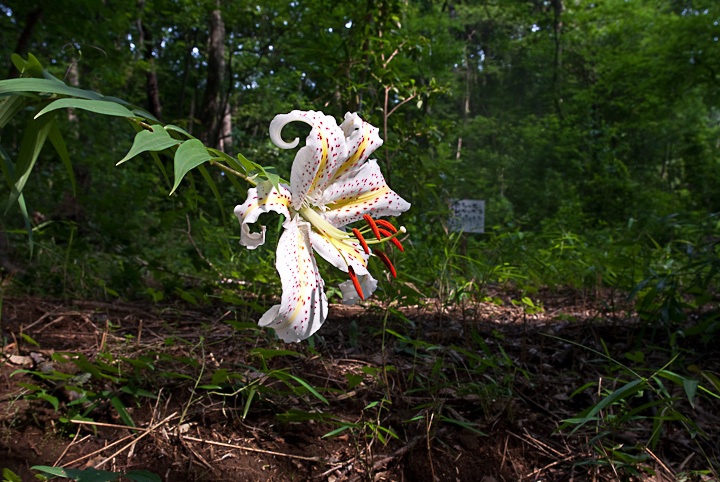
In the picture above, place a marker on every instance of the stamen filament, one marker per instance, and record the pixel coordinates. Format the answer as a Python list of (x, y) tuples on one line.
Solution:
[(321, 225), (391, 238), (383, 257), (355, 282), (401, 231)]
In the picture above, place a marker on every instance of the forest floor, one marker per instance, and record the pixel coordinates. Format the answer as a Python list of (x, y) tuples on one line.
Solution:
[(473, 394)]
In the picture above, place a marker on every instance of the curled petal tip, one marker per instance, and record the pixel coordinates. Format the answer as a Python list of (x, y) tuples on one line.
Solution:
[(280, 121)]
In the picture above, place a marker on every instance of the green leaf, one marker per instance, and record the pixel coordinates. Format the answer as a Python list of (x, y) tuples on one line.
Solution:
[(28, 339), (309, 388), (10, 476), (267, 353), (189, 155), (142, 476), (301, 415), (59, 144), (9, 107), (154, 139), (619, 394), (48, 86), (33, 140), (187, 297), (97, 106), (49, 398), (92, 475), (216, 192), (182, 131), (122, 411), (336, 431), (353, 380), (31, 66), (56, 471), (691, 387), (250, 397), (466, 425), (637, 356)]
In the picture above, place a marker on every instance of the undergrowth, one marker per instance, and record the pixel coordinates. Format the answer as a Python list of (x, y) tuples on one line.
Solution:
[(664, 275)]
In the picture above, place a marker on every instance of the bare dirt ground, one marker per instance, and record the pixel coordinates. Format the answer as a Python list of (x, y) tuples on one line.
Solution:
[(473, 394)]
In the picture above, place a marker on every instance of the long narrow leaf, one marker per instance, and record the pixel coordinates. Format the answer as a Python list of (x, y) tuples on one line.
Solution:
[(213, 187), (96, 106), (308, 387), (12, 86), (59, 144), (33, 140), (9, 107), (589, 415)]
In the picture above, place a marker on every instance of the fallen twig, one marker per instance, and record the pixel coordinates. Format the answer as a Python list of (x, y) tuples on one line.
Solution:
[(251, 449), (162, 422)]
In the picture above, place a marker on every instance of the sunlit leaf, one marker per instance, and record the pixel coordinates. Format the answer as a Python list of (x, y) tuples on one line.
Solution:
[(154, 139), (30, 66), (189, 155), (96, 106), (49, 86)]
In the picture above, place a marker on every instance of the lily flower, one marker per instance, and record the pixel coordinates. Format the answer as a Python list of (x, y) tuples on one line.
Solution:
[(332, 185)]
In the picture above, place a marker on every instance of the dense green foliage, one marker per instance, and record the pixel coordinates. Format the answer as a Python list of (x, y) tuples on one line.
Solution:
[(565, 118), (590, 129)]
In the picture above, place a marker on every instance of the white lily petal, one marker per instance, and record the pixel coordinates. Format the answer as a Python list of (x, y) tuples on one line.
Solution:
[(261, 199), (315, 163), (350, 296), (280, 121), (363, 191), (362, 139), (252, 240), (303, 307)]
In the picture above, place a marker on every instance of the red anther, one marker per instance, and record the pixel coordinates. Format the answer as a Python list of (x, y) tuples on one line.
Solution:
[(355, 282), (397, 243), (362, 240), (386, 224), (383, 257), (372, 225), (394, 241)]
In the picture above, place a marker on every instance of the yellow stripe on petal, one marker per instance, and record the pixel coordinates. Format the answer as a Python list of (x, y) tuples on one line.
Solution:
[(303, 307)]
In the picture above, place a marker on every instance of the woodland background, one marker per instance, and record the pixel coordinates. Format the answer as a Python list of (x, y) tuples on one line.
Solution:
[(590, 128)]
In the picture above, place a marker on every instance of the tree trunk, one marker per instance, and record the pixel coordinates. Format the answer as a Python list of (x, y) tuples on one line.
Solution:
[(212, 110), (145, 45), (558, 8), (24, 40)]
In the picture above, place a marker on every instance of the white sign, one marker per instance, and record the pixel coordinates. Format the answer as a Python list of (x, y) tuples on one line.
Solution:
[(468, 216)]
